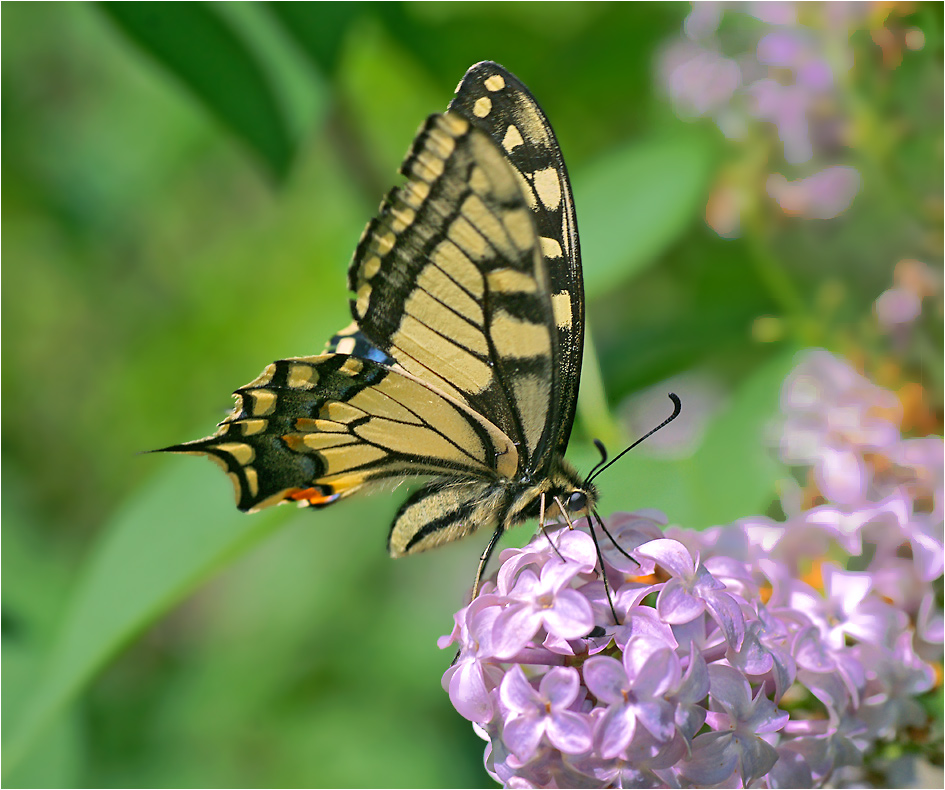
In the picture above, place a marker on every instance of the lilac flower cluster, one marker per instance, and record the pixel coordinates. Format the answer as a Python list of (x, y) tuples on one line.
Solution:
[(790, 80), (764, 653)]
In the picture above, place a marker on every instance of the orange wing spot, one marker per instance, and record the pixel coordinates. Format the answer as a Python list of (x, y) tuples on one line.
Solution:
[(317, 497)]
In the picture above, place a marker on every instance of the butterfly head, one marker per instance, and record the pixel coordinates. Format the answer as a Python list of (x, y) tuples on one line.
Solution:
[(563, 494)]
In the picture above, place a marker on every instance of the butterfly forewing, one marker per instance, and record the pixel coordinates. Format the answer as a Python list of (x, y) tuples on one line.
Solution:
[(449, 281), (497, 102)]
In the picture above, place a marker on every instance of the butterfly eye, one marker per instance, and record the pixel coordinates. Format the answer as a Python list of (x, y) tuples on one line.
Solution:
[(577, 502)]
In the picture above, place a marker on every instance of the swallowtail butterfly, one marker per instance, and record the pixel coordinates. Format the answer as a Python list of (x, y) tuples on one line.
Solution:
[(463, 360)]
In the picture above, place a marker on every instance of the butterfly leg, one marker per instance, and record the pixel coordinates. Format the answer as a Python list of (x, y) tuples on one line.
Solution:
[(600, 559), (541, 525), (484, 558), (564, 513)]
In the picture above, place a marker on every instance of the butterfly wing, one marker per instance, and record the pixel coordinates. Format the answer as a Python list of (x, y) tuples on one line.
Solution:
[(494, 100), (450, 282), (315, 429)]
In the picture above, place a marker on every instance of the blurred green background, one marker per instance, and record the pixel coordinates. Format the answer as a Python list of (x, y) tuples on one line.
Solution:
[(183, 187)]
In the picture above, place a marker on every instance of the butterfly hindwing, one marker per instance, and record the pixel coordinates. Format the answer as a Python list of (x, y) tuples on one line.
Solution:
[(315, 429)]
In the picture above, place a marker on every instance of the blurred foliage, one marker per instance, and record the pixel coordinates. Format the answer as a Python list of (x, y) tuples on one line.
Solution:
[(183, 186)]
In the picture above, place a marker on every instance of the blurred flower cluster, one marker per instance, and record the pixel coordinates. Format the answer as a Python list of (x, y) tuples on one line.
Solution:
[(778, 653), (783, 88)]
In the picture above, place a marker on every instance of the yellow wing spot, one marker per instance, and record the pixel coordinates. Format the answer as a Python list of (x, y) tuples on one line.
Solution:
[(561, 308), (548, 187), (511, 281), (252, 427), (414, 193), (482, 107), (364, 297), (303, 377), (352, 367), (338, 412), (264, 402), (494, 83), (370, 267), (453, 124), (429, 166), (403, 218), (241, 453), (384, 244), (518, 223), (263, 378), (252, 480), (549, 247), (350, 329), (441, 143), (513, 137), (345, 346), (519, 339), (415, 368)]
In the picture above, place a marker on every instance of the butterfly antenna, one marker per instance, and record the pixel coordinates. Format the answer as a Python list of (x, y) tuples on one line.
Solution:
[(677, 407), (603, 457)]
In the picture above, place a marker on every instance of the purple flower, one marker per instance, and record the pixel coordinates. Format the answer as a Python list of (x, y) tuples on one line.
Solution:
[(779, 77), (895, 677), (544, 712), (542, 601), (761, 654), (719, 628), (896, 306), (739, 719), (470, 680), (692, 590), (825, 194), (700, 81), (633, 693), (834, 415)]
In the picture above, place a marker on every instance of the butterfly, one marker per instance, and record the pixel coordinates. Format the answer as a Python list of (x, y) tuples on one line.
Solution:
[(463, 361)]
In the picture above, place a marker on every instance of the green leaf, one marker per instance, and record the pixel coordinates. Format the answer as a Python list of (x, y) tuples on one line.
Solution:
[(635, 202), (154, 552), (731, 475), (194, 42), (319, 28)]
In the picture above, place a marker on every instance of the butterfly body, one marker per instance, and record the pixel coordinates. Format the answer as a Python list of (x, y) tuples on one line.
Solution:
[(463, 361)]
